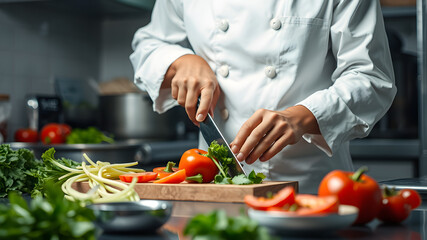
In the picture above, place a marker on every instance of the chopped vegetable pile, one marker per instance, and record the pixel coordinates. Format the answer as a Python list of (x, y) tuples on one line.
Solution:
[(219, 153)]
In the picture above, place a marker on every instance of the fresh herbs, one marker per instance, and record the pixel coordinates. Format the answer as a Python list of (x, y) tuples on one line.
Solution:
[(217, 225), (13, 170), (49, 171), (90, 135), (219, 154), (50, 218)]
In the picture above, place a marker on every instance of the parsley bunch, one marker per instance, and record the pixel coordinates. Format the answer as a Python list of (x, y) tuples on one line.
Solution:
[(219, 153), (13, 170)]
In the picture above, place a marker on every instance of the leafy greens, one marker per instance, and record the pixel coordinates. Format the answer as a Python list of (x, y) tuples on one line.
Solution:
[(219, 153), (49, 171), (13, 170), (50, 218), (217, 225)]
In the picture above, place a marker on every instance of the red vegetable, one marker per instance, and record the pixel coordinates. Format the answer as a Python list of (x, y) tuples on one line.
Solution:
[(165, 171), (411, 197), (356, 189), (54, 133), (176, 177), (286, 196), (194, 162), (143, 177), (394, 208), (315, 205), (26, 135)]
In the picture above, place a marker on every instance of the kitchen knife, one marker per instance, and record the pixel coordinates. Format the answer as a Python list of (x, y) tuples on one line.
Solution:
[(211, 133)]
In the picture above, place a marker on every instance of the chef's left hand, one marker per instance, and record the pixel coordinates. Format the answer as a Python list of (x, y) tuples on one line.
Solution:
[(267, 132)]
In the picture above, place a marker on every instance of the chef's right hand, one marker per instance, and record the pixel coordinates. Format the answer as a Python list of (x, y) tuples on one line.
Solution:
[(191, 77)]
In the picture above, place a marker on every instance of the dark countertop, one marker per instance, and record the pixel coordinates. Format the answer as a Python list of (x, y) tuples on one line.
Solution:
[(413, 228)]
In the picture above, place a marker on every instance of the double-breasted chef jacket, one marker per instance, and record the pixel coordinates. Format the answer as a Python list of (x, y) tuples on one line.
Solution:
[(331, 56)]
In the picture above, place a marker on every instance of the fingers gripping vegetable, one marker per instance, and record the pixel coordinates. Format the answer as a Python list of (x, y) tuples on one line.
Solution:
[(218, 154), (195, 161), (356, 189), (286, 196)]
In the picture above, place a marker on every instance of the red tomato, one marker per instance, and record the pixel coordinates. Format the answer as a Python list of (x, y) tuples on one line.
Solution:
[(314, 205), (26, 135), (356, 189), (394, 209), (176, 177), (310, 205), (411, 197), (142, 177), (286, 196), (54, 133), (66, 128), (195, 163)]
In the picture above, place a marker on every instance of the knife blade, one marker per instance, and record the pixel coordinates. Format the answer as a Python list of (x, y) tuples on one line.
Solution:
[(211, 133)]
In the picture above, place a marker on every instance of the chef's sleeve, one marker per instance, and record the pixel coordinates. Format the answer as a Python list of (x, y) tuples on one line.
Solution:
[(363, 86), (156, 46)]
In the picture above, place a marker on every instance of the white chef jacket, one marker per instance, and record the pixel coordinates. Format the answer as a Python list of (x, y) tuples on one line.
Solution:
[(330, 56)]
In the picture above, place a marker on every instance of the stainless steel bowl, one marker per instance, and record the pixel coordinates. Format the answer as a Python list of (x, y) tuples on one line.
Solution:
[(118, 152), (142, 216)]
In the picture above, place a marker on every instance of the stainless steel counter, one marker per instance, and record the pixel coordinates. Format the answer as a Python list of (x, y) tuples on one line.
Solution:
[(413, 228)]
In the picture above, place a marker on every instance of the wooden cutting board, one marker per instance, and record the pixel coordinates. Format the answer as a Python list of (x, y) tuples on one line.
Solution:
[(209, 192)]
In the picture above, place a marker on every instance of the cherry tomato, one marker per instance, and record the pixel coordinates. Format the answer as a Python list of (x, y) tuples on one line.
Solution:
[(411, 197), (66, 128), (143, 177), (54, 133), (26, 135), (394, 209), (195, 163), (356, 189), (286, 196), (176, 177)]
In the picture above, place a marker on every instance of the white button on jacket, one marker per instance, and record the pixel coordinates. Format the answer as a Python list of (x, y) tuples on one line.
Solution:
[(223, 25), (275, 24), (330, 56), (270, 71), (223, 70)]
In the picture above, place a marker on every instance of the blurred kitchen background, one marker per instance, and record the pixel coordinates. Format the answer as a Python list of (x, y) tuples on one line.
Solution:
[(76, 50)]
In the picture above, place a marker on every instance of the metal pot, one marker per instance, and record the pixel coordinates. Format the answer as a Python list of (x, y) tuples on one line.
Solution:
[(131, 116)]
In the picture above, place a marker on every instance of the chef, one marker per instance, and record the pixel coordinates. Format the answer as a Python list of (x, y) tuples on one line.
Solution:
[(289, 83)]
